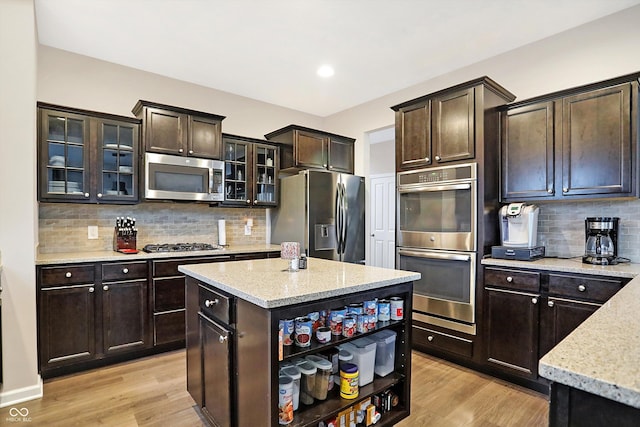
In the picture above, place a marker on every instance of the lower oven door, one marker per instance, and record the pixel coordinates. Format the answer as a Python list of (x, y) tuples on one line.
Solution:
[(447, 286)]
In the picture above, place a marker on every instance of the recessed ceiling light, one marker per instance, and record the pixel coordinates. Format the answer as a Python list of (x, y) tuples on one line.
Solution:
[(325, 71)]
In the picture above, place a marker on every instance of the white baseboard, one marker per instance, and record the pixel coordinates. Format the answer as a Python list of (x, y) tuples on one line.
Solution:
[(14, 397)]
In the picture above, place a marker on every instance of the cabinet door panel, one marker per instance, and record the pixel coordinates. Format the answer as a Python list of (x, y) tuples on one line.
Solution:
[(527, 144), (453, 126), (168, 294), (512, 331), (413, 137), (164, 131), (559, 318), (311, 150), (67, 325), (340, 156), (168, 327), (596, 142), (125, 316), (205, 138), (216, 371)]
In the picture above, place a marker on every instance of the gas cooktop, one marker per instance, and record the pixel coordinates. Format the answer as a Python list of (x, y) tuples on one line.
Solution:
[(180, 247)]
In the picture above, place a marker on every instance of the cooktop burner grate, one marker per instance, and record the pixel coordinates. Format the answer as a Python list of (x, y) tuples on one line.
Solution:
[(180, 247)]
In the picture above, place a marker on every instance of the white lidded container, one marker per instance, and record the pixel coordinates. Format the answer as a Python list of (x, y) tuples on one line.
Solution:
[(323, 375), (344, 356), (385, 351), (364, 355), (294, 373)]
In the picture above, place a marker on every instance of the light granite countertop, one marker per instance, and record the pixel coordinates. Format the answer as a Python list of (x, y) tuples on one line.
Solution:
[(98, 256), (569, 265), (268, 284), (602, 355)]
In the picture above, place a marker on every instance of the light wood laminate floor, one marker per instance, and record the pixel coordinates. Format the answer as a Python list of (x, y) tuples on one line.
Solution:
[(152, 392)]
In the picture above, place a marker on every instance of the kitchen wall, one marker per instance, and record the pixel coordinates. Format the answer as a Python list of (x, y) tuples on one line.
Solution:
[(63, 226)]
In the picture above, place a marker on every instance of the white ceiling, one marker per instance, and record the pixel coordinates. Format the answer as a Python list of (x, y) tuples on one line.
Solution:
[(270, 50)]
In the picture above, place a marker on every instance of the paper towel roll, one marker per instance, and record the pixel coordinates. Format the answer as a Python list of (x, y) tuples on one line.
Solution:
[(222, 232)]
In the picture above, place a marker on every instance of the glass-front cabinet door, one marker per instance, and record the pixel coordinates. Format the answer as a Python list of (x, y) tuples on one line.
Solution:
[(236, 166), (87, 157), (265, 158), (64, 155), (118, 145)]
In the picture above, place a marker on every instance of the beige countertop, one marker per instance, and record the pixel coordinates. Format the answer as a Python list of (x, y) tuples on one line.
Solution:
[(268, 284), (97, 256), (602, 356)]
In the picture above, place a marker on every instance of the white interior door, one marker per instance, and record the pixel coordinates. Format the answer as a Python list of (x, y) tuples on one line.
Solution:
[(383, 221)]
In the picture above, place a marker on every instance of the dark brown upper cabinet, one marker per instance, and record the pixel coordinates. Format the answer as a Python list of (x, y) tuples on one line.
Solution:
[(180, 131), (580, 143), (86, 156), (447, 126), (251, 172), (304, 148)]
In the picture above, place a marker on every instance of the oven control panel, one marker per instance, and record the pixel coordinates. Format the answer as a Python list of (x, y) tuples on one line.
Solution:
[(438, 175)]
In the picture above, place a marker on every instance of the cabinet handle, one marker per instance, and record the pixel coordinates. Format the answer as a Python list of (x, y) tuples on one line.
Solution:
[(550, 191), (430, 338), (509, 279), (209, 303), (582, 288), (86, 195), (125, 270), (105, 288), (190, 151), (91, 289), (180, 150), (99, 195), (222, 339), (565, 190), (550, 303), (438, 158), (534, 300), (67, 274)]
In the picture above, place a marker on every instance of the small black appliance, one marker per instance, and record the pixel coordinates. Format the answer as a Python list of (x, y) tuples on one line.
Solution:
[(601, 241)]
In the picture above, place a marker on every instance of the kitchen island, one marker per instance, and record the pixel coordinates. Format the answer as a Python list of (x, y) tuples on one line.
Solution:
[(233, 312)]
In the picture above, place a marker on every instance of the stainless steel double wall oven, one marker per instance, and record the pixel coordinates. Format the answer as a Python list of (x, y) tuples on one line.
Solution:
[(437, 223)]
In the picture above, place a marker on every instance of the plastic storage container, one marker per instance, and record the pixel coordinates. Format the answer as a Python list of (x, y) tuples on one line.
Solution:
[(323, 375), (364, 355), (307, 381), (294, 373), (344, 356), (385, 351)]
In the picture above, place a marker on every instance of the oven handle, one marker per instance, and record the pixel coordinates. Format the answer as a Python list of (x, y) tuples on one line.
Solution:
[(433, 255), (465, 186)]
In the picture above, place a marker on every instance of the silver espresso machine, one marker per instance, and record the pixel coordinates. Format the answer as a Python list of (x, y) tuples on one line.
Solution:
[(518, 233)]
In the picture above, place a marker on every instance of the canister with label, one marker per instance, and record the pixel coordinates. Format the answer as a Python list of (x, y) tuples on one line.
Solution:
[(349, 381), (304, 331), (396, 308), (288, 331), (384, 310), (348, 326), (285, 400)]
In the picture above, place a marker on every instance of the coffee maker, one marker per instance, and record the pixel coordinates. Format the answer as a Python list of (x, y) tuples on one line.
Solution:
[(601, 240), (518, 233)]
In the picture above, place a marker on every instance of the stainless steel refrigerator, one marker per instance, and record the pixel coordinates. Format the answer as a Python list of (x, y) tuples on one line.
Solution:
[(324, 212)]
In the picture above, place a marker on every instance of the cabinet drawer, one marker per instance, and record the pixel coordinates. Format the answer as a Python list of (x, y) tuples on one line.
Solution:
[(442, 341), (589, 288), (169, 327), (512, 279), (168, 294), (167, 268), (214, 304), (56, 276), (124, 271)]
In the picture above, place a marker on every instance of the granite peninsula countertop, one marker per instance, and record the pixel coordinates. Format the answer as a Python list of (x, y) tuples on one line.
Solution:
[(98, 256), (602, 355), (268, 284)]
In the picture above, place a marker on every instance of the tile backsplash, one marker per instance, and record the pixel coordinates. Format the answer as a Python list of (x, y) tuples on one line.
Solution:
[(561, 226), (63, 226)]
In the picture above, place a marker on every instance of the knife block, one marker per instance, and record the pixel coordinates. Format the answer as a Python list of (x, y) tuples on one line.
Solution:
[(122, 240)]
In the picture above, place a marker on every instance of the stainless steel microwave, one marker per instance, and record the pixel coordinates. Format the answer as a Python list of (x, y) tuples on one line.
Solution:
[(183, 178)]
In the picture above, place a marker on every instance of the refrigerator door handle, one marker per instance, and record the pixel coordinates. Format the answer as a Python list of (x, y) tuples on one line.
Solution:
[(345, 217), (337, 219)]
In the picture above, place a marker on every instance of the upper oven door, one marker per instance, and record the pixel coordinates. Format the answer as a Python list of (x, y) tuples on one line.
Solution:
[(440, 216), (183, 178)]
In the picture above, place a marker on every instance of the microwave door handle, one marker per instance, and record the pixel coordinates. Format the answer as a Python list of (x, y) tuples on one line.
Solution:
[(465, 186), (210, 180), (432, 255)]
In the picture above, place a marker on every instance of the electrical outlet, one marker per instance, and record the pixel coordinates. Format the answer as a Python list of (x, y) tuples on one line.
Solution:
[(247, 230), (92, 232)]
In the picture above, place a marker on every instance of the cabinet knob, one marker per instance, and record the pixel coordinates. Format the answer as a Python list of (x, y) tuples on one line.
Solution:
[(330, 167), (565, 190), (582, 288), (86, 195), (125, 270), (438, 158), (209, 303), (99, 195), (67, 274), (91, 289), (105, 288), (223, 338), (255, 202), (373, 235), (324, 166), (550, 191), (426, 159), (509, 279), (430, 338), (550, 303), (534, 300), (180, 150), (190, 151)]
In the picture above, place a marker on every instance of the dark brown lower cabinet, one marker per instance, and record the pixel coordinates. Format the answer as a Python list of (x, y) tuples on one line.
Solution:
[(125, 324), (216, 371), (559, 317)]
